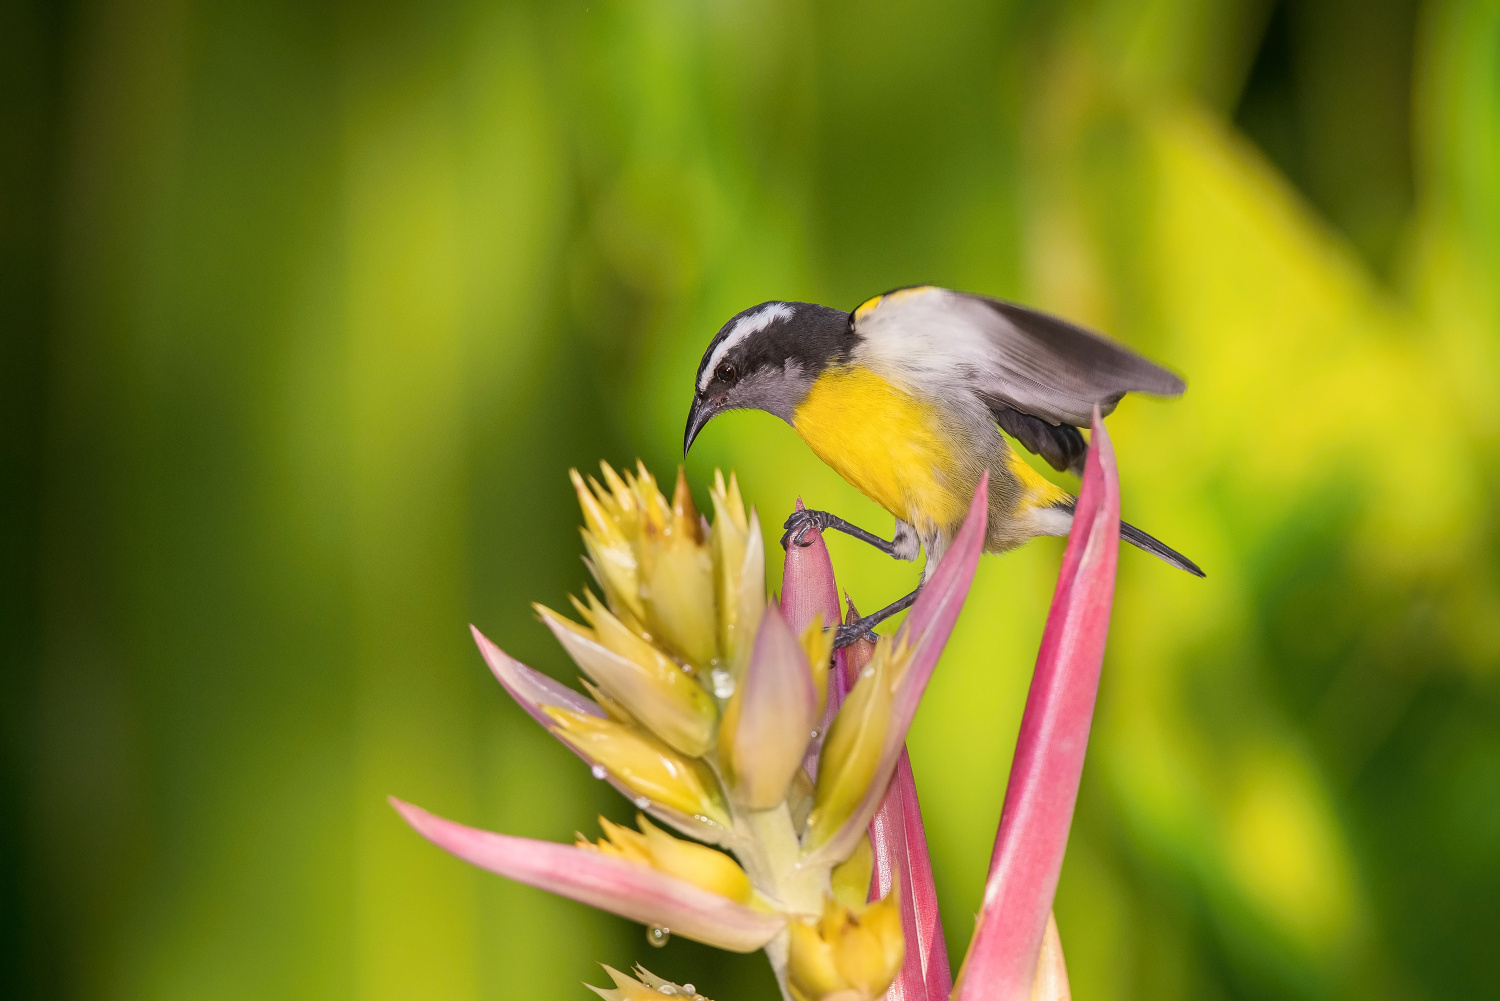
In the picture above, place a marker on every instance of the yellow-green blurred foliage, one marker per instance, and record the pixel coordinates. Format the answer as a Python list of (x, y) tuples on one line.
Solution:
[(306, 309)]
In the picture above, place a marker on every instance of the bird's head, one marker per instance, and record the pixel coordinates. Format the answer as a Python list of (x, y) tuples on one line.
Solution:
[(766, 358)]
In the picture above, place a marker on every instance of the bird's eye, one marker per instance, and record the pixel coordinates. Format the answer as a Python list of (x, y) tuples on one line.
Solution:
[(725, 372)]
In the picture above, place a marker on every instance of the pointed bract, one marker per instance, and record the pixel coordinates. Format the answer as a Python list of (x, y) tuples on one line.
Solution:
[(539, 694), (532, 690), (610, 884), (770, 717), (808, 594), (654, 690), (653, 772), (1043, 787), (901, 860), (807, 584)]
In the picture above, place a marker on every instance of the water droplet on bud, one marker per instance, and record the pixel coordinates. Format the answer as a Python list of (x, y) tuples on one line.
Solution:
[(598, 772), (690, 989), (658, 936), (722, 682), (642, 802)]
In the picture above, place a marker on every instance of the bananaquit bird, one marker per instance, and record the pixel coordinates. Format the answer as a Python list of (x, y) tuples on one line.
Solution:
[(903, 396)]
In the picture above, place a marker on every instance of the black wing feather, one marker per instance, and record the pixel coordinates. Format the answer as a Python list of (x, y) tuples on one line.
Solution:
[(1062, 445)]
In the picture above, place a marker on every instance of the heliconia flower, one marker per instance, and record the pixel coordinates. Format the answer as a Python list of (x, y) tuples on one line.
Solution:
[(710, 717), (649, 987)]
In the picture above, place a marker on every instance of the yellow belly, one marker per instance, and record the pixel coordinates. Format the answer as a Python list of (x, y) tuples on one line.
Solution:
[(889, 445)]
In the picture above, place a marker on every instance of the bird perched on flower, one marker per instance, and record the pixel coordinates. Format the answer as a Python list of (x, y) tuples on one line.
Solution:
[(906, 397)]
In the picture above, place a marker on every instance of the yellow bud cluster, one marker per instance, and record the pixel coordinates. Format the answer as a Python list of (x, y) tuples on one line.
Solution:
[(654, 560), (680, 605), (694, 863), (850, 953)]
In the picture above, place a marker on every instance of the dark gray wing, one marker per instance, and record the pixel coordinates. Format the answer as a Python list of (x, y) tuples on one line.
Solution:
[(1040, 375), (1062, 445), (1049, 368)]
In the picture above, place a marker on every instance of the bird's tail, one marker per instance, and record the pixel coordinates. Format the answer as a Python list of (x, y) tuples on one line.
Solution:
[(1156, 547), (1056, 525)]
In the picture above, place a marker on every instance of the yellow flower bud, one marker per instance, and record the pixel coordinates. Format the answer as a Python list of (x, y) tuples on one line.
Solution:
[(817, 642), (850, 879), (739, 561), (627, 509), (727, 501), (697, 864), (686, 522), (727, 547), (678, 588), (611, 552), (656, 515), (769, 719), (618, 842), (611, 708), (649, 685), (811, 973), (646, 766), (855, 740), (867, 945), (850, 952), (693, 863)]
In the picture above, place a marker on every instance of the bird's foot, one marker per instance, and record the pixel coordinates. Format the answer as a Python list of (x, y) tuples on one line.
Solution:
[(864, 628), (798, 524), (852, 632)]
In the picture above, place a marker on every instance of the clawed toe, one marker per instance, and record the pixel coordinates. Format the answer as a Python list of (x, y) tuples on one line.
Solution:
[(796, 528), (853, 632)]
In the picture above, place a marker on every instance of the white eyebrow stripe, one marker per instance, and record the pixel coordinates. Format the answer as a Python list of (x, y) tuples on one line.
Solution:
[(752, 323)]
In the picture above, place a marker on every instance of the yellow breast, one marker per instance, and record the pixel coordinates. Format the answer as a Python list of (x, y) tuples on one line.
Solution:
[(888, 444)]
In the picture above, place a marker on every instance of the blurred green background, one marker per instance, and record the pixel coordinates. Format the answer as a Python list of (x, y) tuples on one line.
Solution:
[(306, 309)]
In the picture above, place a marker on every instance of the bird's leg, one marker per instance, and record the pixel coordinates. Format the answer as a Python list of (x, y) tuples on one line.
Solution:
[(802, 520), (864, 627)]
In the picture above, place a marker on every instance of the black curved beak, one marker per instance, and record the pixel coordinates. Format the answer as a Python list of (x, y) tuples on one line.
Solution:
[(703, 411)]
